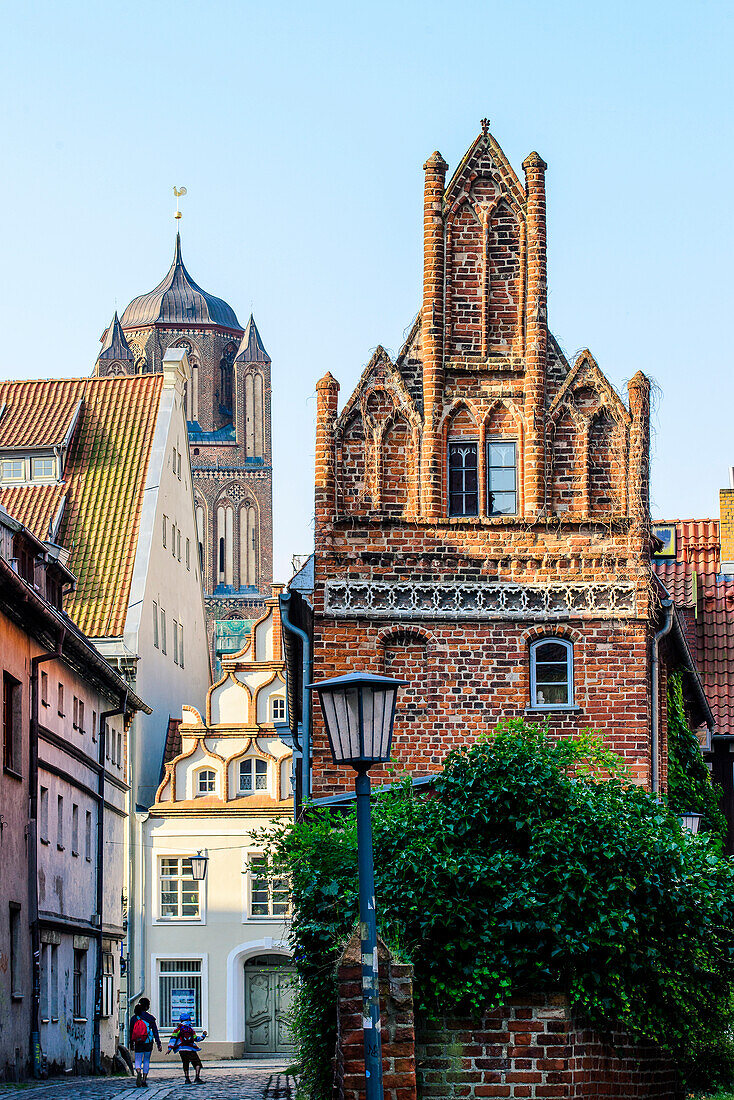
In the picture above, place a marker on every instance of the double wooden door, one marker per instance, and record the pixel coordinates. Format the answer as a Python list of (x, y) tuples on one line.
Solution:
[(269, 994)]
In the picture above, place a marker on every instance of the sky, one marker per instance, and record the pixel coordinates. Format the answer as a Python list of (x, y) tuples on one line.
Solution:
[(300, 131)]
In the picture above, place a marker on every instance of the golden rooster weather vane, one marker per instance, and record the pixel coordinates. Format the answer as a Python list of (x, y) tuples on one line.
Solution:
[(178, 192)]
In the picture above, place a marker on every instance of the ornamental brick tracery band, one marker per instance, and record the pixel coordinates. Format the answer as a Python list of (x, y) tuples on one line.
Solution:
[(481, 600)]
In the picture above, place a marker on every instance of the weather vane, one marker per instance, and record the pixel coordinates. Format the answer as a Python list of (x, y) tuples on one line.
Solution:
[(178, 192)]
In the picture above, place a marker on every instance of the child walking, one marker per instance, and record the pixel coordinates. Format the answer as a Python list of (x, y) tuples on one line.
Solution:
[(143, 1033), (183, 1042)]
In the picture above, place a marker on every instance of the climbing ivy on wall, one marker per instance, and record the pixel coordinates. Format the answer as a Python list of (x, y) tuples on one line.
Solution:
[(690, 788), (535, 865)]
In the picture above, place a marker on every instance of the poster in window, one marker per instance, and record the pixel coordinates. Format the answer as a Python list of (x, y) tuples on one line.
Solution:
[(183, 1000)]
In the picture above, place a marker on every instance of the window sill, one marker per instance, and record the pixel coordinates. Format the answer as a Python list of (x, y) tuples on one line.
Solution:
[(13, 774), (79, 1019), (571, 709), (46, 1021), (54, 1019), (16, 996)]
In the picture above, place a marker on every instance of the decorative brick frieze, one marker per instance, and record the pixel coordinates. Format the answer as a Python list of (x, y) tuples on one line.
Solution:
[(427, 600)]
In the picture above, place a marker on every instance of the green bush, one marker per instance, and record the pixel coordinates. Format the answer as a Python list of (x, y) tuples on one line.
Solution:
[(524, 871)]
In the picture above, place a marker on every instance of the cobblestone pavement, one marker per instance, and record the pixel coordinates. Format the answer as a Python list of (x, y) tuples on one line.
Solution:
[(221, 1081)]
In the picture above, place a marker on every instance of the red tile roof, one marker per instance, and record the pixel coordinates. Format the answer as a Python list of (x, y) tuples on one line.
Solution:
[(39, 413), (104, 481), (706, 598)]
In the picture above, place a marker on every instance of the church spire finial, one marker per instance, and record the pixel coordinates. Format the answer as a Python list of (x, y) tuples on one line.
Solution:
[(485, 126), (178, 192)]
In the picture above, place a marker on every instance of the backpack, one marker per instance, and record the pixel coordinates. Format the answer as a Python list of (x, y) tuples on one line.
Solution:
[(141, 1032), (186, 1034)]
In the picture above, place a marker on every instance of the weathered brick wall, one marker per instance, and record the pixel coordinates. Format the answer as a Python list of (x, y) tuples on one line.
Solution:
[(530, 1047), (533, 1048), (397, 1024)]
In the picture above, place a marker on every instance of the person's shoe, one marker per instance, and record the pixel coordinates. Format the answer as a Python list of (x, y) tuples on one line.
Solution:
[(138, 1080), (187, 1080)]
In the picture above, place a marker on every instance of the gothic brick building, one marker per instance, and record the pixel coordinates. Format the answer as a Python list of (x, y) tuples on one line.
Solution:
[(228, 415), (482, 515)]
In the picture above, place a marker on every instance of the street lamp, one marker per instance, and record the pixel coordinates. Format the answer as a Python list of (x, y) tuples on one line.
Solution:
[(359, 711), (691, 822), (199, 864)]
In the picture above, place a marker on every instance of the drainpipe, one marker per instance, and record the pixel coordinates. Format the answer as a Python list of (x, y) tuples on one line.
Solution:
[(97, 1033), (285, 598), (36, 1053), (655, 708)]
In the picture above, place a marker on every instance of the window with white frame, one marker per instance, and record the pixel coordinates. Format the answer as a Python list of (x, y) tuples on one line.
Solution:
[(13, 469), (269, 896), (179, 890), (277, 708), (253, 776), (551, 673), (108, 984), (44, 468), (178, 974), (206, 781)]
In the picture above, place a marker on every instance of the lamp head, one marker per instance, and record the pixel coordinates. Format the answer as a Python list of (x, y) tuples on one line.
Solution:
[(359, 712)]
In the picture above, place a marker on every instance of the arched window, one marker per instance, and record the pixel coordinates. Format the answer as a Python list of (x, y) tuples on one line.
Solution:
[(248, 545), (253, 776), (200, 533), (551, 673), (206, 782)]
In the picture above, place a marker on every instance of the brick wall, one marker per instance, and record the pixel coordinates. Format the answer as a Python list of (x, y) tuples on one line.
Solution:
[(396, 1017), (533, 1048), (530, 1047), (726, 524)]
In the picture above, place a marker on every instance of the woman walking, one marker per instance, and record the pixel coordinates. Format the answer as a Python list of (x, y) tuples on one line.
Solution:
[(143, 1033)]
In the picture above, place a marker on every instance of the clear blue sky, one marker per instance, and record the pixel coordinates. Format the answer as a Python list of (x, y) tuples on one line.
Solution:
[(300, 131)]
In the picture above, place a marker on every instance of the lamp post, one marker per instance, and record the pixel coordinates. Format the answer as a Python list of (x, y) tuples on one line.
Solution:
[(359, 711), (199, 864)]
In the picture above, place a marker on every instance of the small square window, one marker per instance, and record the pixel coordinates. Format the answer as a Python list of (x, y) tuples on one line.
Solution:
[(206, 782), (44, 469)]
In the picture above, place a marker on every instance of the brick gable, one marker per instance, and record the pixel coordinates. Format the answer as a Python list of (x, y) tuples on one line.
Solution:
[(555, 533)]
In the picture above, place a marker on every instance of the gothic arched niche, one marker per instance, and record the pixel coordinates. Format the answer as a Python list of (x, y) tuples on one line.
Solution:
[(396, 466), (567, 481), (191, 388), (503, 248), (351, 470), (226, 375), (466, 279), (604, 471)]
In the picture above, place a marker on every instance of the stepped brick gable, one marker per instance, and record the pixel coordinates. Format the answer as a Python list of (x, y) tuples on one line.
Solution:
[(482, 512)]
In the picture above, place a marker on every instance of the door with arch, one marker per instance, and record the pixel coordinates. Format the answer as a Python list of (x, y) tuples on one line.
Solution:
[(270, 984)]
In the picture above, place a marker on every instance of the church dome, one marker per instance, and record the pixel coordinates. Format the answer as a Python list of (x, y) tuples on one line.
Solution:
[(178, 299)]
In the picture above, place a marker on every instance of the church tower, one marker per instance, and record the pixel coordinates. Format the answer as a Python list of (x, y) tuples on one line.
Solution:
[(228, 416)]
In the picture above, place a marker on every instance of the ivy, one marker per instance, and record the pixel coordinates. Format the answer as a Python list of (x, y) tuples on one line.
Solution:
[(536, 865), (690, 788)]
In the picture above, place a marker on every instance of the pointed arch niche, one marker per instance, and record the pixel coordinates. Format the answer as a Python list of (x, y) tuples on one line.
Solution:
[(191, 388), (224, 566), (248, 545)]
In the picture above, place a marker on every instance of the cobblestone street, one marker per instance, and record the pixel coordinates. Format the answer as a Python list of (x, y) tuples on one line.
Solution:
[(220, 1081)]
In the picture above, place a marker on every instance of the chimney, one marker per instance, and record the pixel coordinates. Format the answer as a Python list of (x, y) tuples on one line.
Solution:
[(726, 526), (432, 332), (176, 370), (327, 400), (536, 334)]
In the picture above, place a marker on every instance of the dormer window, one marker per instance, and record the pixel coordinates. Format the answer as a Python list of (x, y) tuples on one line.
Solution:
[(206, 782), (43, 469), (14, 469), (253, 776)]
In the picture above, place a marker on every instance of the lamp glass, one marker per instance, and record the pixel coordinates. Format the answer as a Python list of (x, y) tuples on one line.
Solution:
[(358, 711), (691, 822), (199, 864)]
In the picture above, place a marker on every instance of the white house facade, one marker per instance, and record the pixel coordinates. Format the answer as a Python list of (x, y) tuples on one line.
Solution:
[(218, 947)]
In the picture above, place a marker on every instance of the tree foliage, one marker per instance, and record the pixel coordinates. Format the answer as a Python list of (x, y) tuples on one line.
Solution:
[(535, 865), (690, 789)]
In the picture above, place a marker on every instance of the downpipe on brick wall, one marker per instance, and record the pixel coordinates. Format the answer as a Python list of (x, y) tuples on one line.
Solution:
[(654, 702), (285, 598)]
